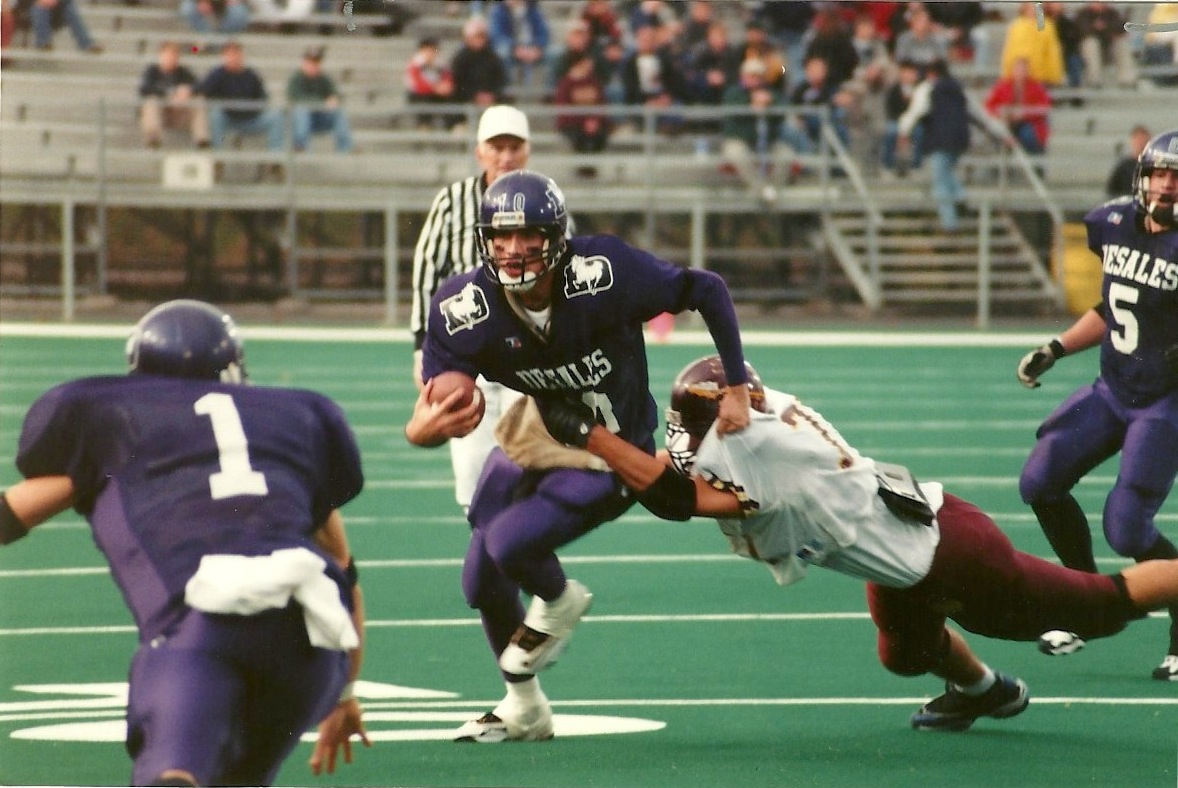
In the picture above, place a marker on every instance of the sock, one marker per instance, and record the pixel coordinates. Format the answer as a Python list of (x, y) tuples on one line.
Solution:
[(1066, 528), (524, 693), (1164, 549), (982, 685)]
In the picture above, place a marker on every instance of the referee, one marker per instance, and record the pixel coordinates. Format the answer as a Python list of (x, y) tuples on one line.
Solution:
[(446, 248)]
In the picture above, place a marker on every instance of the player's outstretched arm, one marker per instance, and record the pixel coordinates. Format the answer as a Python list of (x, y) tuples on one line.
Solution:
[(346, 719), (658, 487), (30, 502)]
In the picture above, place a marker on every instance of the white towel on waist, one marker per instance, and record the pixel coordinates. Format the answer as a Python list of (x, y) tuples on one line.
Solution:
[(243, 585)]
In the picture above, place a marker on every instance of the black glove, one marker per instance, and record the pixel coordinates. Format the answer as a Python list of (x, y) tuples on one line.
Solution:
[(567, 420), (1039, 361)]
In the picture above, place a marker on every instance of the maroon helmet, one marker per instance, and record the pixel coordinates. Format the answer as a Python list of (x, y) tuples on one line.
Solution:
[(695, 404)]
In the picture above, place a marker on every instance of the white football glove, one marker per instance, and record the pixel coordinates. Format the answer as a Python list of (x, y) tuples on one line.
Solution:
[(1038, 361)]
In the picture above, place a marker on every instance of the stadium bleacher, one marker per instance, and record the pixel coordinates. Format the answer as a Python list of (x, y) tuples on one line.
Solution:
[(67, 120)]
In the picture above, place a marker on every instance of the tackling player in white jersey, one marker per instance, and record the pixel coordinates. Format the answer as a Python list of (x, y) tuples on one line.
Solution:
[(789, 491)]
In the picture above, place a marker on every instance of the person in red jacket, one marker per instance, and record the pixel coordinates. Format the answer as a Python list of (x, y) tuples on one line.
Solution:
[(1023, 104)]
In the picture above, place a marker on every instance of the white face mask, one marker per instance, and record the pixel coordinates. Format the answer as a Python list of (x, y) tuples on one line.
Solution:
[(678, 445)]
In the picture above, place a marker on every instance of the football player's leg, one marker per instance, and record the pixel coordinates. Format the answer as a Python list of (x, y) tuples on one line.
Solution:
[(1081, 433), (183, 710), (1149, 462), (292, 687)]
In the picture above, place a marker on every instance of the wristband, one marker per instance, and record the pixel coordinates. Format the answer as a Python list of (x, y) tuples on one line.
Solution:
[(1057, 348), (351, 572), (11, 528), (348, 693)]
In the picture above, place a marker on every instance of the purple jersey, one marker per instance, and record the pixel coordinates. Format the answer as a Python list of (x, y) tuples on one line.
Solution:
[(168, 470), (594, 346), (1140, 291)]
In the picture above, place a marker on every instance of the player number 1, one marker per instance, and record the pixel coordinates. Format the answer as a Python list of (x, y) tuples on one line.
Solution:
[(236, 477)]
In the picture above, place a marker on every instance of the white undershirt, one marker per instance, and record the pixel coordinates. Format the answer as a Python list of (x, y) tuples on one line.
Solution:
[(540, 319)]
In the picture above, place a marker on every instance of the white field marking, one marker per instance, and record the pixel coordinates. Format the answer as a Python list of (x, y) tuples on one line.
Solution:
[(705, 702), (440, 623), (398, 336)]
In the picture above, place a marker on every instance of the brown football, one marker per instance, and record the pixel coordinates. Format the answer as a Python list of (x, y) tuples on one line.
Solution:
[(445, 383)]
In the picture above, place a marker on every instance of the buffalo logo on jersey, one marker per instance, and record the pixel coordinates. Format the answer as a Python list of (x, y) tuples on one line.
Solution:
[(587, 276), (466, 309)]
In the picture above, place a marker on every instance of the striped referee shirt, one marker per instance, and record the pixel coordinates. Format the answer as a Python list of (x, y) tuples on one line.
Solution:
[(446, 246)]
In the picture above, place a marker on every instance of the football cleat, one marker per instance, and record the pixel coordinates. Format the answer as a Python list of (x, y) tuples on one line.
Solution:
[(1060, 642), (541, 639), (1168, 670), (956, 711), (510, 722)]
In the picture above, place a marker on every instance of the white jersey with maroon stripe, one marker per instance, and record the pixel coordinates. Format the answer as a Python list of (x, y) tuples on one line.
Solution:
[(811, 498)]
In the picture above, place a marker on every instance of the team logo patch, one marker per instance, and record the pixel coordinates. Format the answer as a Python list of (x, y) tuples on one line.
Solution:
[(587, 276), (465, 310), (1114, 218)]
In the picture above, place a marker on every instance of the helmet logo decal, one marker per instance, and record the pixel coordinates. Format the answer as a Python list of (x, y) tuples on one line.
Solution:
[(465, 310), (587, 276)]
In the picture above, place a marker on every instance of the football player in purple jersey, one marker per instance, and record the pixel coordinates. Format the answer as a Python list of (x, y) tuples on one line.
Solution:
[(1132, 407), (791, 492), (547, 315), (216, 505)]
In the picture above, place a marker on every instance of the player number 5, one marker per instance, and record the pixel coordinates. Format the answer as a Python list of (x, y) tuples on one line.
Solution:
[(236, 476), (1124, 337)]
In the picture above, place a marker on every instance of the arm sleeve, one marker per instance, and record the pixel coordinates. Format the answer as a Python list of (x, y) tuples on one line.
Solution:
[(708, 295), (430, 258), (917, 108)]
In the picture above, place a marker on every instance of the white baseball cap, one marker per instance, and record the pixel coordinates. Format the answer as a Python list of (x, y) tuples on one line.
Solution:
[(502, 119)]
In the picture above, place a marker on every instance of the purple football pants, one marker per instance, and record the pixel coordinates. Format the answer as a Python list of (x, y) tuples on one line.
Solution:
[(1087, 429), (228, 697), (518, 520)]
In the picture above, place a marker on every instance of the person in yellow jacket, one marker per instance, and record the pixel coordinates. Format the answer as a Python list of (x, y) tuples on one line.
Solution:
[(1041, 47)]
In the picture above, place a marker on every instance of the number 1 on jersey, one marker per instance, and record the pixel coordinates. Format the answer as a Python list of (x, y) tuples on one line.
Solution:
[(236, 476)]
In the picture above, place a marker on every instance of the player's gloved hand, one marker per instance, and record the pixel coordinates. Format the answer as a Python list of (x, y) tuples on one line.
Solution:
[(567, 420), (1039, 361)]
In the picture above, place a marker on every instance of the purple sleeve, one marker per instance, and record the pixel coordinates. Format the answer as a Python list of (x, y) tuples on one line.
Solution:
[(345, 477), (708, 294)]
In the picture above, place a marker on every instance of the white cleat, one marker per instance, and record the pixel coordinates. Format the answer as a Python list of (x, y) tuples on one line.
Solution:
[(510, 722), (1060, 642), (545, 632), (1168, 670)]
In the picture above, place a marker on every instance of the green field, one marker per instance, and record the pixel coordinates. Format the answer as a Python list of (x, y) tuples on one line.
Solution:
[(723, 678)]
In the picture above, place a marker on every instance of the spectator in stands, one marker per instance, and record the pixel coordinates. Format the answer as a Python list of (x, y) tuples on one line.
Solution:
[(651, 13), (480, 77), (1122, 179), (520, 37), (577, 44), (817, 92), (896, 103), (921, 43), (237, 96), (752, 140), (1161, 43), (1103, 40), (604, 28), (758, 46), (786, 24), (315, 104), (871, 78), (960, 25), (1040, 48), (45, 15), (1022, 104), (1069, 42), (939, 102), (580, 87), (168, 101), (426, 80), (216, 16), (697, 24), (714, 67), (830, 39), (651, 79)]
